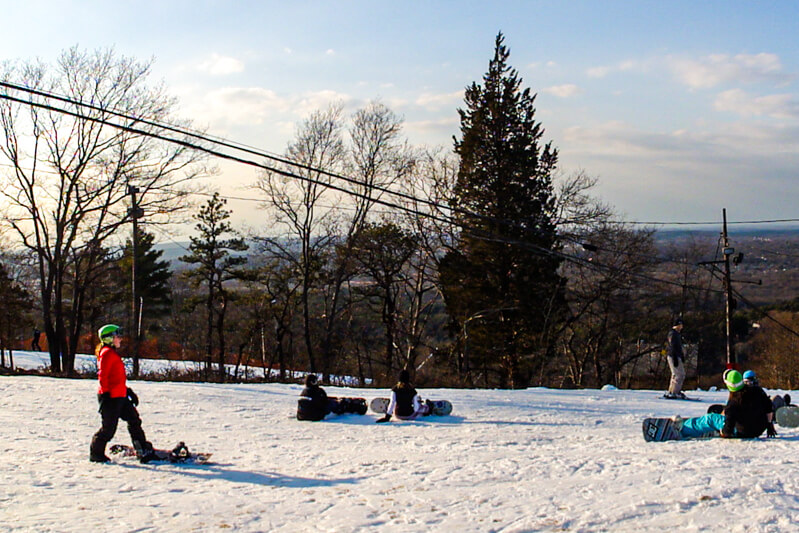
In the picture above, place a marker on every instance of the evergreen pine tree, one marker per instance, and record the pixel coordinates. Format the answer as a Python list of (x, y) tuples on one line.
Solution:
[(210, 251), (500, 282), (152, 279)]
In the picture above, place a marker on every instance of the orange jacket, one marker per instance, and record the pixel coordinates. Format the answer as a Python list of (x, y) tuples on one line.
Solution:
[(111, 373)]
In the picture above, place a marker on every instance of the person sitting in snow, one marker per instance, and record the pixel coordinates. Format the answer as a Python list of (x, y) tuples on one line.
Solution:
[(313, 403), (747, 415), (116, 399), (405, 404), (777, 401)]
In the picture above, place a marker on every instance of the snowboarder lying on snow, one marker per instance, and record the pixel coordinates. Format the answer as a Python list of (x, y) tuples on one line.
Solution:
[(405, 404), (116, 399), (781, 401), (747, 415)]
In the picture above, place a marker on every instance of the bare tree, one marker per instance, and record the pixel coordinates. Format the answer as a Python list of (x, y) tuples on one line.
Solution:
[(302, 218), (377, 160), (318, 226), (429, 190), (66, 195)]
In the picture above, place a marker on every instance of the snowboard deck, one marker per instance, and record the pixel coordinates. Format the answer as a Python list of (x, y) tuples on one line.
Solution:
[(788, 416), (379, 405), (439, 407), (180, 454), (660, 429)]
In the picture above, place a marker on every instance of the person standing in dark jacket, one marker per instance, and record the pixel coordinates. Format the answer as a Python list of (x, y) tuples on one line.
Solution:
[(676, 359), (313, 404), (405, 404), (116, 400)]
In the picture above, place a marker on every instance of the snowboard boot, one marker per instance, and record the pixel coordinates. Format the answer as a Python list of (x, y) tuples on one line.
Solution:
[(429, 405), (97, 451), (144, 451), (677, 422)]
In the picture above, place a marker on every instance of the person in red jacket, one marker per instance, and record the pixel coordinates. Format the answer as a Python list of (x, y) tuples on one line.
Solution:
[(116, 399)]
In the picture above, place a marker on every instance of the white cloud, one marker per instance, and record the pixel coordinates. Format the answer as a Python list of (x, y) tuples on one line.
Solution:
[(218, 65), (716, 69), (775, 105), (437, 101), (330, 52), (598, 72), (231, 107), (563, 91)]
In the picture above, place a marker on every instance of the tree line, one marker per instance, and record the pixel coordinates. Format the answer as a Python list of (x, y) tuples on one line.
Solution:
[(480, 266)]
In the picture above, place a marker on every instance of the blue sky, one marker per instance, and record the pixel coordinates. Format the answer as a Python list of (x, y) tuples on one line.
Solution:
[(679, 108)]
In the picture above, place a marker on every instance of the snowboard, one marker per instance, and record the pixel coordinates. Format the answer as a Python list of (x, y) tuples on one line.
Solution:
[(788, 416), (178, 454), (438, 407), (660, 429), (347, 405), (686, 399)]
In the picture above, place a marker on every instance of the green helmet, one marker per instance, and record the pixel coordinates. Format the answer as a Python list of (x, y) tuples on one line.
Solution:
[(734, 380), (107, 333)]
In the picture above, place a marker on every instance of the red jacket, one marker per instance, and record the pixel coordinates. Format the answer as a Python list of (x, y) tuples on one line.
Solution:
[(111, 373)]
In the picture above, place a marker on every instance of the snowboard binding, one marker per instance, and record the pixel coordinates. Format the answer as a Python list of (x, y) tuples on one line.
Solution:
[(179, 453)]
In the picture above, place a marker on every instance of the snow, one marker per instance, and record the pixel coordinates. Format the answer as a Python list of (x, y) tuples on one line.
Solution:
[(526, 460)]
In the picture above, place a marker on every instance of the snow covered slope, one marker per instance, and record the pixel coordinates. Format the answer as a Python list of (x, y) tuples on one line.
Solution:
[(531, 460)]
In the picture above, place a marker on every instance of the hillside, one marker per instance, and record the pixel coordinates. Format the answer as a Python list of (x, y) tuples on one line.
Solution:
[(504, 461), (770, 256)]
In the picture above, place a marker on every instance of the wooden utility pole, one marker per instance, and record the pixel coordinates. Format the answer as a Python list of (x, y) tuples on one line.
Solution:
[(135, 213), (732, 358)]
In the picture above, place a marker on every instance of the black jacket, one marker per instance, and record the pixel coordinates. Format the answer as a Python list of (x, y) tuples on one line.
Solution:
[(747, 413), (674, 349), (313, 404), (405, 394)]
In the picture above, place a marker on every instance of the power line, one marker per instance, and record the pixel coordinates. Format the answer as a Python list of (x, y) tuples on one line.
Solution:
[(203, 137), (368, 198), (703, 223), (263, 153)]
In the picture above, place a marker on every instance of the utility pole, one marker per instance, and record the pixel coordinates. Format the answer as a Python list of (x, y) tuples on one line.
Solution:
[(135, 212), (732, 358)]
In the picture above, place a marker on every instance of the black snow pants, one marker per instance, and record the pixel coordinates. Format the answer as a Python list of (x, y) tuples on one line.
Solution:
[(111, 410)]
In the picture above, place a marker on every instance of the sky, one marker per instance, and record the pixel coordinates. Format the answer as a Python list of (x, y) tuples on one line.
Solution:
[(679, 109)]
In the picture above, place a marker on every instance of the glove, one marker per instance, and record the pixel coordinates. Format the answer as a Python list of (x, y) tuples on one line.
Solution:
[(102, 398), (384, 419), (132, 397), (770, 431)]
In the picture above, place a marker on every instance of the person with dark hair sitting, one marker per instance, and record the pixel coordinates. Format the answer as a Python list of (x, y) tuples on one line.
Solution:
[(747, 415), (313, 403), (405, 404)]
